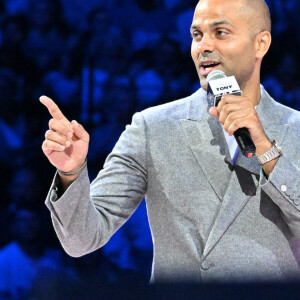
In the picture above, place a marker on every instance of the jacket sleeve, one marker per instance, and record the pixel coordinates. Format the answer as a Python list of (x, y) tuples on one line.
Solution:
[(283, 184), (86, 216)]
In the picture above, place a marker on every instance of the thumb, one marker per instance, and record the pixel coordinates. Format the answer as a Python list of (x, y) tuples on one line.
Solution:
[(80, 132), (214, 112)]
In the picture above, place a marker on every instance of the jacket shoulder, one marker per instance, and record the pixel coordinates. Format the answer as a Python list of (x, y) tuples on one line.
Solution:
[(278, 112), (177, 109)]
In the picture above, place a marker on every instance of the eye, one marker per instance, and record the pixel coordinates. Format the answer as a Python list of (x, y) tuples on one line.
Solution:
[(221, 32), (196, 34)]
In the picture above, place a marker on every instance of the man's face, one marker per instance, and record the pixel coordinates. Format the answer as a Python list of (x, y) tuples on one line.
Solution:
[(221, 41)]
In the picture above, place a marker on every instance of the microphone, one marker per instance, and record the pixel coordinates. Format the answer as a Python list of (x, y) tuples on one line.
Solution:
[(219, 85)]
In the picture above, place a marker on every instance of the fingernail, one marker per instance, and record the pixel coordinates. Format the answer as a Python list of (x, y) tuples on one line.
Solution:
[(62, 147), (70, 134), (75, 122), (68, 143)]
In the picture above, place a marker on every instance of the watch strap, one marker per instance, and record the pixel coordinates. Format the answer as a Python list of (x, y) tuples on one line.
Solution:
[(274, 152)]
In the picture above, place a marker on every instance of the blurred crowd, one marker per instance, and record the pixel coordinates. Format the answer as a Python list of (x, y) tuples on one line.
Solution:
[(101, 61)]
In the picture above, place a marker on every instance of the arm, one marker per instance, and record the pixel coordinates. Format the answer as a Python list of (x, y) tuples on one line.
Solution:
[(283, 184), (279, 178), (236, 112), (86, 217)]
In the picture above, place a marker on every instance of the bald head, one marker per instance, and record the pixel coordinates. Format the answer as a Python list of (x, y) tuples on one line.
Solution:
[(257, 14)]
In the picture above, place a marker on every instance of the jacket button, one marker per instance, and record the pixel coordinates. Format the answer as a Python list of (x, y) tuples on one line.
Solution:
[(297, 202), (283, 188), (205, 265)]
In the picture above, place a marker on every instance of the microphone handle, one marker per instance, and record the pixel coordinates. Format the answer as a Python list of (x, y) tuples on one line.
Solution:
[(244, 141)]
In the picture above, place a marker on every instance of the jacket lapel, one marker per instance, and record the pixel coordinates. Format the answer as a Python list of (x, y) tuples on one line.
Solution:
[(245, 171), (232, 205), (270, 115), (205, 137)]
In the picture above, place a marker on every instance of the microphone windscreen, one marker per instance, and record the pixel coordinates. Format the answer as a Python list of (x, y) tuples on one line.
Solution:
[(216, 74)]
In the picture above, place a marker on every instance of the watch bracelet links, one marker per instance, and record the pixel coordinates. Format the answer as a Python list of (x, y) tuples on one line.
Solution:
[(271, 154)]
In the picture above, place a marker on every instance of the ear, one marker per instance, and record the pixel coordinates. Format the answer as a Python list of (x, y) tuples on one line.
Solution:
[(262, 44)]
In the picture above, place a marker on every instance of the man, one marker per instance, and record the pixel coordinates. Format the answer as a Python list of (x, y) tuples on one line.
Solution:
[(214, 214)]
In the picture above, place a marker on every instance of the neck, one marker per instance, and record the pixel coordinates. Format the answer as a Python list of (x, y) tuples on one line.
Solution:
[(254, 94), (252, 90)]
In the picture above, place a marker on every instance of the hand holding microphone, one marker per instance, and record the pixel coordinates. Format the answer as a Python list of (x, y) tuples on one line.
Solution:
[(235, 112)]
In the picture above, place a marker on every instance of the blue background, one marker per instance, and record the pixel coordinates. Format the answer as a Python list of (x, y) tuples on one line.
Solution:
[(101, 61)]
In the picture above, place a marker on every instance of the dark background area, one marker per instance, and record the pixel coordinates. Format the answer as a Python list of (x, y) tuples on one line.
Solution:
[(101, 61)]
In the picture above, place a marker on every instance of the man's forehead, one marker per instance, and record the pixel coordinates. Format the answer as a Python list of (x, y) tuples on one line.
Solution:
[(215, 4), (217, 11), (211, 23)]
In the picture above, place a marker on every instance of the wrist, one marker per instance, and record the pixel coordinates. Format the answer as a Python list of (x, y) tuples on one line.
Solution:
[(263, 147), (74, 173), (271, 154), (66, 178)]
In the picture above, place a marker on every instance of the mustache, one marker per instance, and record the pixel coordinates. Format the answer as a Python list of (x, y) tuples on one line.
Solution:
[(208, 57)]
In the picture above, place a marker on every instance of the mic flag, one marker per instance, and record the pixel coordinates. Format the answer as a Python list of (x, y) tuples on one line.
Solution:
[(219, 85)]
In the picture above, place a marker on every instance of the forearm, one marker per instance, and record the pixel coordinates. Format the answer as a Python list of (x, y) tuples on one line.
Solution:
[(283, 186), (85, 216), (84, 219)]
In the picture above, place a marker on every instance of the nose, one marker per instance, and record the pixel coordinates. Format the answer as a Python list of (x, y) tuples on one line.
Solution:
[(206, 44)]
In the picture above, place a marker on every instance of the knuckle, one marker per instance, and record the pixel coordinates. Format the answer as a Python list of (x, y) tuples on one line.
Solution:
[(235, 123), (51, 121), (222, 120), (222, 114), (234, 126), (47, 134), (230, 117), (226, 127), (224, 98), (226, 108)]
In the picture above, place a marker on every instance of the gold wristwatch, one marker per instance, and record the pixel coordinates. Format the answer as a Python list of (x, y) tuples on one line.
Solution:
[(274, 152)]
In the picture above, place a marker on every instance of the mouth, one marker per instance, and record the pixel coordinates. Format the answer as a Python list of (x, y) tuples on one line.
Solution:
[(208, 66)]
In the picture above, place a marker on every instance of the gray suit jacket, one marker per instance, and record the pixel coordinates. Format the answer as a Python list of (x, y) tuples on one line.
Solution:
[(209, 220)]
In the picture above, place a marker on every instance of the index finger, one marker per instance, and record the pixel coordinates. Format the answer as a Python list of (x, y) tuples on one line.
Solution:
[(234, 101), (54, 110)]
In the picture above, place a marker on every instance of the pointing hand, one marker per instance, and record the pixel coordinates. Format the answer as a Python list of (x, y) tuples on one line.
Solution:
[(66, 143)]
